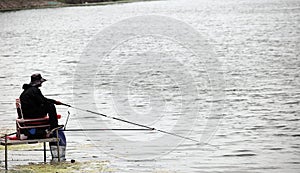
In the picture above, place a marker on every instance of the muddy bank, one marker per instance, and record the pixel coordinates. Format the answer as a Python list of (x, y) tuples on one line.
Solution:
[(13, 5), (7, 5)]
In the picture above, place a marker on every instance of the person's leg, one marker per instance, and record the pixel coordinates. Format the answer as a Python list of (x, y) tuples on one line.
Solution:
[(52, 116)]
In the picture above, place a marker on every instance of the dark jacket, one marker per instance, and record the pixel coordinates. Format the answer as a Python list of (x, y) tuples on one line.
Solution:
[(33, 102)]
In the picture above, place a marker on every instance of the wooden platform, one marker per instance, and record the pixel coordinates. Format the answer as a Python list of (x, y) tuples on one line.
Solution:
[(6, 142)]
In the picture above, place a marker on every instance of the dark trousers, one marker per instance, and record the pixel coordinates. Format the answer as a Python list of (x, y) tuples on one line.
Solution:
[(51, 110)]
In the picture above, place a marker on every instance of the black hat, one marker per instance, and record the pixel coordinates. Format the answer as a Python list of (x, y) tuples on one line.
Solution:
[(36, 80)]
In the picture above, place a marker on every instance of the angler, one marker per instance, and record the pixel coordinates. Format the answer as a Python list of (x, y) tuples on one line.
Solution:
[(34, 105)]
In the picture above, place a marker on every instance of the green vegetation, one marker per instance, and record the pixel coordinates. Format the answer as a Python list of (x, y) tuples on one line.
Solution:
[(23, 147), (67, 167), (64, 167)]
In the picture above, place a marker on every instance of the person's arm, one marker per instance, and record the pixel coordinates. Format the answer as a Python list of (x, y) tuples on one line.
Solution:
[(54, 101), (51, 100), (41, 99)]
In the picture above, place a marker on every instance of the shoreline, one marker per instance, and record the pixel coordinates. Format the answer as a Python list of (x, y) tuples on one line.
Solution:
[(17, 5)]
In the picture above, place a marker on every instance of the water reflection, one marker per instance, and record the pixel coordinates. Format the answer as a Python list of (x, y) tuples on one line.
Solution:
[(256, 41)]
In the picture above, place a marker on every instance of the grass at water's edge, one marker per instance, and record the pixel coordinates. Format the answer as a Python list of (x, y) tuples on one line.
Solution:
[(40, 4), (68, 167), (23, 147), (64, 167)]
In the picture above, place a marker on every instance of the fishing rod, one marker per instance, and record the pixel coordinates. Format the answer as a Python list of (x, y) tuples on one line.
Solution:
[(8, 134), (133, 123), (72, 130), (67, 121)]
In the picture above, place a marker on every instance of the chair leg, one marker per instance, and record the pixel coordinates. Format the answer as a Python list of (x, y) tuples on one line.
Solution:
[(44, 152), (5, 152)]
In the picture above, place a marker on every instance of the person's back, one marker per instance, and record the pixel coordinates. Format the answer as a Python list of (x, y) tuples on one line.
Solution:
[(31, 106)]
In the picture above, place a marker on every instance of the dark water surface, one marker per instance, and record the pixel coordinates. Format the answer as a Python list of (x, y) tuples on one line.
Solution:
[(256, 43)]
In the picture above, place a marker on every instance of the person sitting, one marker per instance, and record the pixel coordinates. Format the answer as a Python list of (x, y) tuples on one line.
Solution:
[(35, 105)]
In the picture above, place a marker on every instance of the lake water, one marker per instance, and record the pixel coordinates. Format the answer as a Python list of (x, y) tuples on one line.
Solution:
[(236, 88)]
